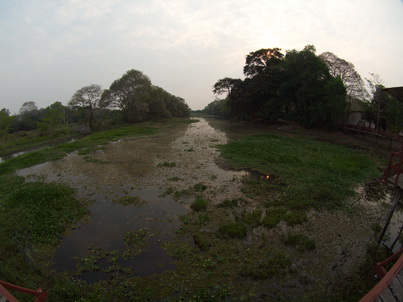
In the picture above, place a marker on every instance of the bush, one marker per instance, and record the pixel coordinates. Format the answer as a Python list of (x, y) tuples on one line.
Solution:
[(300, 242), (199, 204), (234, 230)]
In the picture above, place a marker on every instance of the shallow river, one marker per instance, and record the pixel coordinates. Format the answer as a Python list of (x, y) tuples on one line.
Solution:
[(145, 168)]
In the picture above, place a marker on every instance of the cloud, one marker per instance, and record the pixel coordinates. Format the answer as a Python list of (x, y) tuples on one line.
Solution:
[(183, 45)]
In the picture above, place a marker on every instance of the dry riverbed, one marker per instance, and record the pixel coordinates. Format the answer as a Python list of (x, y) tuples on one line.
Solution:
[(144, 236)]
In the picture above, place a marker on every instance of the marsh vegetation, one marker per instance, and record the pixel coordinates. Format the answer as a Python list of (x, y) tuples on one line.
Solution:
[(272, 214)]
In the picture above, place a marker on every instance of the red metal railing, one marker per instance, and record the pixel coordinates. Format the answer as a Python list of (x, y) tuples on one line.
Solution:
[(394, 167), (39, 295), (385, 276)]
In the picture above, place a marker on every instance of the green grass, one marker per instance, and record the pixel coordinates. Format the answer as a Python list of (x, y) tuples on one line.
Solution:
[(88, 144), (199, 204), (300, 242), (309, 173), (20, 141), (167, 164), (274, 264), (34, 216), (235, 230)]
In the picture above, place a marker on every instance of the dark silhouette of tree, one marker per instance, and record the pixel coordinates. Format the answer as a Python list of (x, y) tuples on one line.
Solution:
[(352, 80), (297, 86)]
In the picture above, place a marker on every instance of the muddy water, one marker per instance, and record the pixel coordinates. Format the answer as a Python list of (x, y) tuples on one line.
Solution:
[(146, 168)]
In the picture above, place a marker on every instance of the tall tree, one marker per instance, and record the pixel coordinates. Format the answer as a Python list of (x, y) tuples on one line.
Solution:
[(53, 116), (317, 98), (129, 93), (88, 100), (28, 107), (27, 118), (352, 80), (262, 62), (5, 123)]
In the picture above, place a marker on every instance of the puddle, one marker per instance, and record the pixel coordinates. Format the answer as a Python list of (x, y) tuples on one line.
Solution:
[(130, 168), (4, 158)]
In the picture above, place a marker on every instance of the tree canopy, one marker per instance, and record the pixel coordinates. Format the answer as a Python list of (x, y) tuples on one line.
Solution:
[(131, 98), (296, 86)]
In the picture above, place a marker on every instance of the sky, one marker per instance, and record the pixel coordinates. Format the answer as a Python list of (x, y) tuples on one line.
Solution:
[(51, 48)]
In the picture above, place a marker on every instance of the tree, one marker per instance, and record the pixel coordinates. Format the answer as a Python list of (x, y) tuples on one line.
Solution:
[(225, 85), (54, 115), (87, 99), (27, 118), (262, 62), (5, 123), (129, 93), (317, 98), (217, 107), (352, 80), (28, 107)]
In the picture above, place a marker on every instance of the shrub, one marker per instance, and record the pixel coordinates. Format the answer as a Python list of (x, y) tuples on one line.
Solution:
[(199, 204), (275, 263), (234, 230), (300, 242)]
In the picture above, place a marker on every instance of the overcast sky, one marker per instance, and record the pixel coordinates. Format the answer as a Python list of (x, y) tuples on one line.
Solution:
[(51, 48)]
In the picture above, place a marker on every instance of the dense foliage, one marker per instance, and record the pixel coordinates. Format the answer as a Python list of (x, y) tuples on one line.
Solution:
[(132, 98), (297, 86), (314, 91)]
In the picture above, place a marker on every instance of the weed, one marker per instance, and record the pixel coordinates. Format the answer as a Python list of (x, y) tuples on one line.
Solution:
[(252, 218), (295, 217), (199, 204), (39, 212), (167, 164), (230, 203), (90, 159), (300, 242), (175, 178), (130, 200), (319, 175), (201, 241), (179, 194), (274, 264), (274, 216), (234, 230), (200, 187)]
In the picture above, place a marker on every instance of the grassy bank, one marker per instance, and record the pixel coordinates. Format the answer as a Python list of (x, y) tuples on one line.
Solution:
[(306, 174)]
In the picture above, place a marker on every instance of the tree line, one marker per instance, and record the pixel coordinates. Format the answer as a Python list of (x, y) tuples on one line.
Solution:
[(300, 86), (129, 99)]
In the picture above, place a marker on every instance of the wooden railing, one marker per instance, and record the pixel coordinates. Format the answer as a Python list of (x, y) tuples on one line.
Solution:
[(388, 285), (394, 167), (5, 287)]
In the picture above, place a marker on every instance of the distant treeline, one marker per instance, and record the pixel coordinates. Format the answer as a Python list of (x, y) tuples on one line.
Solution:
[(130, 99), (314, 91)]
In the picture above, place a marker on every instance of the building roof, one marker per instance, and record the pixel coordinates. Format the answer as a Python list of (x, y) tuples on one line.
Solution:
[(397, 92)]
